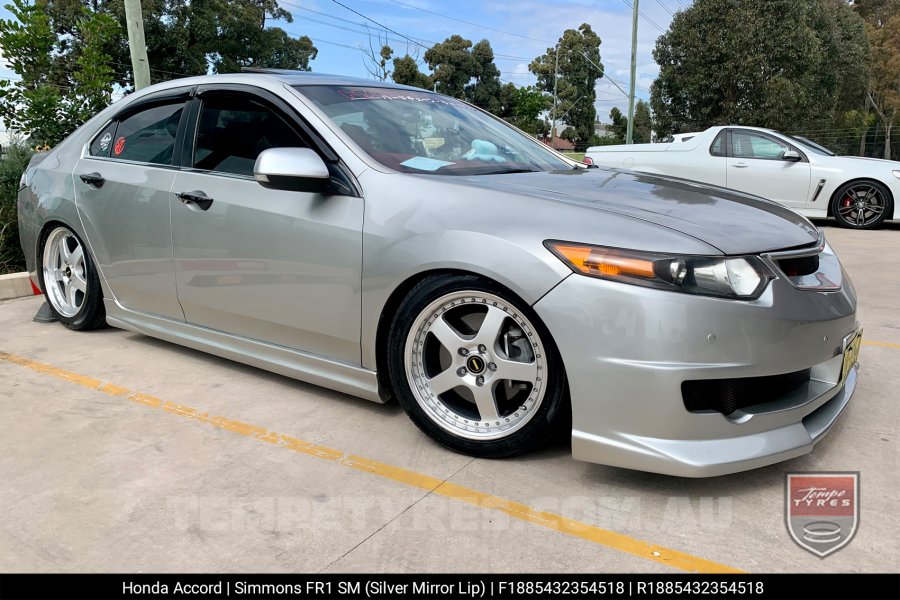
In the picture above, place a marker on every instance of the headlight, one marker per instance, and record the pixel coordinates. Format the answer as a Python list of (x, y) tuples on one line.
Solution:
[(742, 277), (896, 174)]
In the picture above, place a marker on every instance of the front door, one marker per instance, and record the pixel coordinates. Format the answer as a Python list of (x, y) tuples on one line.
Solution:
[(122, 188), (755, 166), (281, 267)]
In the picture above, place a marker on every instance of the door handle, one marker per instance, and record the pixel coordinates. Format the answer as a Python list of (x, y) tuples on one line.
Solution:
[(740, 165), (196, 197), (93, 179)]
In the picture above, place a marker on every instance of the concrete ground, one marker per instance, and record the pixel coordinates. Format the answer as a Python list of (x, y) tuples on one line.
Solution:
[(122, 453)]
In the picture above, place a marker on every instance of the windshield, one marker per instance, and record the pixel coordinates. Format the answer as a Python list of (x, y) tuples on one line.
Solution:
[(811, 145), (426, 133)]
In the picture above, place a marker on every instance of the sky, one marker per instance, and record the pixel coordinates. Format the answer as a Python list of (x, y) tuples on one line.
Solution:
[(518, 31)]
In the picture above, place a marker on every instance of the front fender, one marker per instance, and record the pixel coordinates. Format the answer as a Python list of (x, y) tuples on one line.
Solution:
[(529, 273)]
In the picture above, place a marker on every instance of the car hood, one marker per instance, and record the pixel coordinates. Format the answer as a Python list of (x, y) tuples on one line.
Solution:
[(893, 163), (730, 221)]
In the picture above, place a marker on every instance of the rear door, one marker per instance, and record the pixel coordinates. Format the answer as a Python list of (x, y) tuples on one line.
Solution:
[(122, 186), (756, 166), (282, 267)]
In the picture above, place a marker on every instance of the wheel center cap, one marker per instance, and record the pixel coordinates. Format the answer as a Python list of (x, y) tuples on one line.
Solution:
[(476, 364)]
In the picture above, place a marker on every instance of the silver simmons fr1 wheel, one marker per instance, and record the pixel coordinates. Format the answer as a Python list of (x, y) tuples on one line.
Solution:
[(64, 270), (476, 366)]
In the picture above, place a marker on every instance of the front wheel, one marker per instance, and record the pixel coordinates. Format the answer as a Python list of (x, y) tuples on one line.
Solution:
[(70, 281), (861, 205), (474, 368)]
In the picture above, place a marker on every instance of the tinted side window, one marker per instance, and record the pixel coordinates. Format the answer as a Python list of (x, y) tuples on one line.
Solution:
[(718, 146), (103, 143), (232, 131), (149, 135), (752, 145)]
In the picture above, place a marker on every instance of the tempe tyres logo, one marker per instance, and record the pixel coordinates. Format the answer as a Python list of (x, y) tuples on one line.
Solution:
[(822, 510)]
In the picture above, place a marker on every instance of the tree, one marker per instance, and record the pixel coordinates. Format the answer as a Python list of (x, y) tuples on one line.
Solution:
[(579, 70), (187, 37), (484, 92), (714, 70), (377, 62), (619, 124), (530, 102), (452, 65), (406, 72), (884, 94), (642, 123), (63, 80)]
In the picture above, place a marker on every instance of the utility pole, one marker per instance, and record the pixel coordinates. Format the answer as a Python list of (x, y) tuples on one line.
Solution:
[(634, 22), (136, 44), (555, 76)]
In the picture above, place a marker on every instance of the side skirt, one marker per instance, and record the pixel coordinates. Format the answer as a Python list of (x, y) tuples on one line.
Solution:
[(313, 369)]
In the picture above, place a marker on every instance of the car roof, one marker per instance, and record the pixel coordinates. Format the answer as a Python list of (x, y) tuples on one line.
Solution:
[(286, 76)]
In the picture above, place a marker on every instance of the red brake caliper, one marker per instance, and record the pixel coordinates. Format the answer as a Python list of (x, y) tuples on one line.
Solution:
[(847, 201)]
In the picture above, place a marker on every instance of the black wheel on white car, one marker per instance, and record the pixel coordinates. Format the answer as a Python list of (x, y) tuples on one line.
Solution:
[(70, 281), (474, 368), (861, 204)]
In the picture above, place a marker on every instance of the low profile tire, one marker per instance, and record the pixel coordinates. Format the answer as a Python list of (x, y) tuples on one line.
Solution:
[(70, 281), (475, 369), (861, 205)]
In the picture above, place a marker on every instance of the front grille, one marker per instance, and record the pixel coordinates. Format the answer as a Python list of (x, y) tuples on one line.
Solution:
[(728, 395)]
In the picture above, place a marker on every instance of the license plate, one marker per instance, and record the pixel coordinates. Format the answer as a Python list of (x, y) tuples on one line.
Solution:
[(851, 352)]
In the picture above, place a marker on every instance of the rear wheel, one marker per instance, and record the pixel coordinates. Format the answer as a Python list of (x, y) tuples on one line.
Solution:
[(861, 205), (70, 281), (474, 368)]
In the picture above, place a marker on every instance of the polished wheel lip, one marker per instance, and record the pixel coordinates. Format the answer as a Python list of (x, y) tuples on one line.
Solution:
[(861, 205), (64, 272), (495, 369)]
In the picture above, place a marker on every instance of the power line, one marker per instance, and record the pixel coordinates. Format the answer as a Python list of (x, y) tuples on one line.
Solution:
[(640, 12), (437, 14), (385, 27), (665, 8)]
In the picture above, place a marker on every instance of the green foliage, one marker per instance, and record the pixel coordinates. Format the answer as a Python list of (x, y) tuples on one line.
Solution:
[(884, 95), (64, 79), (579, 70), (785, 64), (642, 125), (452, 65), (406, 72), (15, 159), (530, 102), (619, 125), (484, 92)]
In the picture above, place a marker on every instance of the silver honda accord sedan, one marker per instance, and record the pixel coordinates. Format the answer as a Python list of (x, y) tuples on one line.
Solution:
[(389, 242)]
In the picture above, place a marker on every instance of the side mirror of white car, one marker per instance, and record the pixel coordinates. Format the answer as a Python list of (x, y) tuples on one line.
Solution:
[(292, 169), (791, 155)]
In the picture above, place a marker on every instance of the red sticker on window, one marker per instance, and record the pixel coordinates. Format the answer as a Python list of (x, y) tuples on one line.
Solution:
[(120, 145)]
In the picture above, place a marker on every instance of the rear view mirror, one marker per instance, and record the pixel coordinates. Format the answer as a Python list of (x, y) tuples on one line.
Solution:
[(791, 155), (292, 169)]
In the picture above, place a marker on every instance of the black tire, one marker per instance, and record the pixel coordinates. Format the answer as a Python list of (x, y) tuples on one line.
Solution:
[(842, 209), (550, 416), (92, 314)]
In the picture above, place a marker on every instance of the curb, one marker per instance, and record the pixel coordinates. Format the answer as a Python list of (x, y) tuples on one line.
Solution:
[(17, 285)]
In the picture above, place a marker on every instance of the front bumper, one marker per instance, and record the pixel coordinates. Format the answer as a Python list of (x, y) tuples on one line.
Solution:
[(627, 350)]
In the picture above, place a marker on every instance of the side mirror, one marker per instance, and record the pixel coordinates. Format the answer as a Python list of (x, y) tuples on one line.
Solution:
[(791, 155), (291, 169)]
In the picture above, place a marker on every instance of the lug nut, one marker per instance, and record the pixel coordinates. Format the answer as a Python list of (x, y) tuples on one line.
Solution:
[(480, 380), (492, 366), (482, 348), (463, 352), (461, 371)]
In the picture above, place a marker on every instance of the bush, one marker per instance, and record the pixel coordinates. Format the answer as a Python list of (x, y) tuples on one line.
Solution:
[(13, 163)]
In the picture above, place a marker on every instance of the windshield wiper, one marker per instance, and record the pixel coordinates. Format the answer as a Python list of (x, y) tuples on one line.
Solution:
[(511, 170)]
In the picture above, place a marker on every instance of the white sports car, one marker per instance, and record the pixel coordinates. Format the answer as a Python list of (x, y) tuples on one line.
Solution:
[(793, 171)]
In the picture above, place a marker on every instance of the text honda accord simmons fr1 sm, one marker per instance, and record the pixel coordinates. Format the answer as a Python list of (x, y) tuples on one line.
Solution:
[(386, 241)]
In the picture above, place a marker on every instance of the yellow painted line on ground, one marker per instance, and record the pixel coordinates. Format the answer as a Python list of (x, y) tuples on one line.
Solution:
[(571, 527), (881, 344)]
